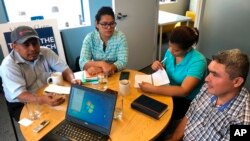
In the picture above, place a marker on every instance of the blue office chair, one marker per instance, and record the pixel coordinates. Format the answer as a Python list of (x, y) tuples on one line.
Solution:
[(77, 66)]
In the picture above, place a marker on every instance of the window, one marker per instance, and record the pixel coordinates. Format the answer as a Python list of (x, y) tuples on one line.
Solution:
[(68, 13), (167, 1)]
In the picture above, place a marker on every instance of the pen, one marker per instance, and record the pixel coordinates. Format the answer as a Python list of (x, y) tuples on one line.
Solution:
[(163, 59)]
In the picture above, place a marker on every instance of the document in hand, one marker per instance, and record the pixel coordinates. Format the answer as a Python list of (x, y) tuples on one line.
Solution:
[(158, 78)]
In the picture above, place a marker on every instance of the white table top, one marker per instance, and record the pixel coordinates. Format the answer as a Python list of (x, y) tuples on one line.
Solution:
[(165, 18)]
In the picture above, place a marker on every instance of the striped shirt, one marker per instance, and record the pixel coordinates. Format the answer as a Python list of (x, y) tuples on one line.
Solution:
[(116, 50), (207, 122)]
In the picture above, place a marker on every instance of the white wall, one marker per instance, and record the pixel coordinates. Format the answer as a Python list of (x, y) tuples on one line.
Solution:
[(225, 25)]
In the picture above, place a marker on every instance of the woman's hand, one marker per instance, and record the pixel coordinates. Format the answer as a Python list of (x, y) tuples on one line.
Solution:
[(108, 68), (157, 65), (146, 87), (93, 71)]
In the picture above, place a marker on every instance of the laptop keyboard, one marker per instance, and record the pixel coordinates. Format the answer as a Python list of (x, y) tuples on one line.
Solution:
[(73, 132)]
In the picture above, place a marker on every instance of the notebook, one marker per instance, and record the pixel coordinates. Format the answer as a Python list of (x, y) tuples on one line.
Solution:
[(149, 106), (89, 110), (157, 78)]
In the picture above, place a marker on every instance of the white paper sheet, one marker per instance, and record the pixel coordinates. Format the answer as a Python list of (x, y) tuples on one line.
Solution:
[(25, 122), (52, 88)]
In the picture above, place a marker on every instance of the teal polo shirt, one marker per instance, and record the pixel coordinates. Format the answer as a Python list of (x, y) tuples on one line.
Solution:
[(194, 64)]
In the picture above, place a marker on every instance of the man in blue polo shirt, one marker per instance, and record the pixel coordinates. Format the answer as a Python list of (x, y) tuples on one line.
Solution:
[(27, 68)]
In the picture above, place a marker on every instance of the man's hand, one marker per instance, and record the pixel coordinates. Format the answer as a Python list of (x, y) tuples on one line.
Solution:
[(52, 99), (76, 81)]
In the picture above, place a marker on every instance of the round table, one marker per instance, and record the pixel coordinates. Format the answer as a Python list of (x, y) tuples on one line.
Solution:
[(134, 125)]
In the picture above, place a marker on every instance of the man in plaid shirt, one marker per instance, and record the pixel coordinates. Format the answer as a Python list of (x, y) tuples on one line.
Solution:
[(222, 101)]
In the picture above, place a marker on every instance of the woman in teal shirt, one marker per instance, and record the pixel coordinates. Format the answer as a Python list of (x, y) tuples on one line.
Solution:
[(186, 68)]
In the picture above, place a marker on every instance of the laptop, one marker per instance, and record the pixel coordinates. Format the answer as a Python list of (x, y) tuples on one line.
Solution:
[(89, 111)]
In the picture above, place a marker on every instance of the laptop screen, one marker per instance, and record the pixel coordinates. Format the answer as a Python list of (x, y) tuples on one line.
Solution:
[(91, 108)]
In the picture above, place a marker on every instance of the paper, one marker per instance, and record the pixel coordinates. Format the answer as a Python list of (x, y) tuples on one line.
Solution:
[(52, 88), (144, 78), (87, 76), (158, 78), (78, 75), (25, 122), (59, 108)]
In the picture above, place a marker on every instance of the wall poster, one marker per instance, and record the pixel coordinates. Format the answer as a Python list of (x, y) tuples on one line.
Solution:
[(47, 31)]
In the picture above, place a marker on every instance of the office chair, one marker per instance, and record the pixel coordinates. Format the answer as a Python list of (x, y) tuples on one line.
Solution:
[(167, 29), (190, 14), (77, 64)]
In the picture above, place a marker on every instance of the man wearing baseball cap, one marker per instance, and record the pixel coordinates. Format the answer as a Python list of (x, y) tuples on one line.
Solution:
[(22, 34), (27, 68)]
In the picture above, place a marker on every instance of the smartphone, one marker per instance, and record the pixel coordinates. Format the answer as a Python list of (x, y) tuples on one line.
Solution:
[(124, 75)]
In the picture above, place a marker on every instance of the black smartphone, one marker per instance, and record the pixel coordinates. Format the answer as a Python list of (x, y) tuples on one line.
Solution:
[(124, 75)]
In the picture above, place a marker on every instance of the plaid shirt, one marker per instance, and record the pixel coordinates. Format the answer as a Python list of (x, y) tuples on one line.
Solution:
[(116, 51), (207, 122)]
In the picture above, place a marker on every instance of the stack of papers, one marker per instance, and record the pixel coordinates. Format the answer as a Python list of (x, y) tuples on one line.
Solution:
[(88, 77), (85, 77), (158, 78), (78, 75)]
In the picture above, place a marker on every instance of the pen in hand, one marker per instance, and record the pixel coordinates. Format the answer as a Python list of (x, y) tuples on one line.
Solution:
[(163, 59)]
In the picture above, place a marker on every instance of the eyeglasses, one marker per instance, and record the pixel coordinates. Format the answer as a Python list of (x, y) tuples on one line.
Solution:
[(106, 25)]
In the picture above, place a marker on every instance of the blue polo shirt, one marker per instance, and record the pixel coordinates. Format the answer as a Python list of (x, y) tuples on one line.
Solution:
[(193, 64)]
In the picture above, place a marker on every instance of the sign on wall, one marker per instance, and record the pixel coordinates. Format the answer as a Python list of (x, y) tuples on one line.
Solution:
[(47, 30)]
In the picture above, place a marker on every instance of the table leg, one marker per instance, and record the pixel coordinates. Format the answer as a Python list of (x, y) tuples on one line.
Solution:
[(160, 44), (187, 23)]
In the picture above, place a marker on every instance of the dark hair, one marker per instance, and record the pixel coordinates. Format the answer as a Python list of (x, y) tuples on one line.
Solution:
[(236, 63), (184, 36), (104, 11)]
